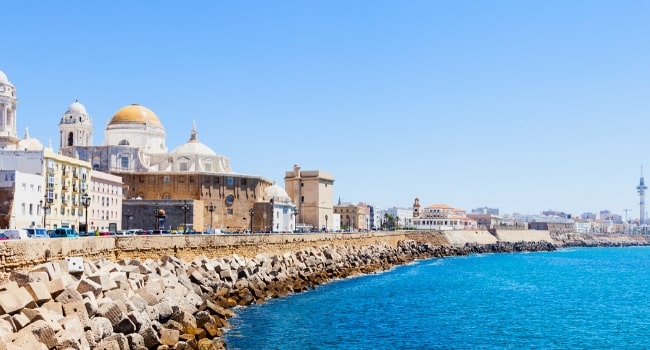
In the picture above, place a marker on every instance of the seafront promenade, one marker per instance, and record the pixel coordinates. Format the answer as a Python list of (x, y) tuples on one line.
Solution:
[(177, 292)]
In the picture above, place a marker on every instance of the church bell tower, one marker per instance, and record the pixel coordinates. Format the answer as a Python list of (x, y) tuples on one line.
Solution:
[(75, 128)]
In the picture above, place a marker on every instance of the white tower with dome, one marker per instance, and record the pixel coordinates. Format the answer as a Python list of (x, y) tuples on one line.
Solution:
[(8, 104), (76, 127)]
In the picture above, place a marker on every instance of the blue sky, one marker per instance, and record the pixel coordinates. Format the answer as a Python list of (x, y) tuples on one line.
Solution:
[(519, 105)]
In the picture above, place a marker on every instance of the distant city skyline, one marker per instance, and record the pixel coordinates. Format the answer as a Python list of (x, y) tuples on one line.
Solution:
[(523, 107)]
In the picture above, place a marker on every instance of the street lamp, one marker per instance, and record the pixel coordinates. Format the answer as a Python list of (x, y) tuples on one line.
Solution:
[(211, 208), (85, 201), (129, 216), (45, 204), (325, 222), (156, 213), (185, 207), (251, 212)]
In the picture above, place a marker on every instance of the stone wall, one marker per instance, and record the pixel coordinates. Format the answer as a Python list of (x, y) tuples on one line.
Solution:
[(24, 254)]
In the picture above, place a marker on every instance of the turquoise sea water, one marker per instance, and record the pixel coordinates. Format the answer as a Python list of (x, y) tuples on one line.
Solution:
[(585, 298)]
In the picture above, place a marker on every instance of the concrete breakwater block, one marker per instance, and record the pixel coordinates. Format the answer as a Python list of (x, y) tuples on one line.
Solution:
[(75, 264)]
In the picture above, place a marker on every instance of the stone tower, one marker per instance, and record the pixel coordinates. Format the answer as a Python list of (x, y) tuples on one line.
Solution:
[(416, 208)]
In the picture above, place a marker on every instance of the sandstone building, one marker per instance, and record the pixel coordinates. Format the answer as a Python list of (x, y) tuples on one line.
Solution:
[(190, 188)]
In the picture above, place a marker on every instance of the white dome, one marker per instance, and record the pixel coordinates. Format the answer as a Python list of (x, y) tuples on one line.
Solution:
[(275, 191), (77, 108), (3, 78), (194, 147), (29, 144)]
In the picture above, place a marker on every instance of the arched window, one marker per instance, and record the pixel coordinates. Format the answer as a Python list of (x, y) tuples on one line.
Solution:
[(70, 139), (123, 143)]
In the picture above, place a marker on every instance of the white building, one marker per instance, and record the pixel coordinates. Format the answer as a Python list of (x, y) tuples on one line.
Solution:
[(283, 210), (105, 209), (22, 198), (442, 217), (403, 216)]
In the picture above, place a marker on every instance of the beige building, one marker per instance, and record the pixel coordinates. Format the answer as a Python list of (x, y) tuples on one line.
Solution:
[(194, 186), (312, 192), (66, 181), (353, 216), (440, 217)]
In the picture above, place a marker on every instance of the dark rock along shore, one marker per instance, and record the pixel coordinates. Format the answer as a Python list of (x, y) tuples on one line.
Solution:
[(173, 304)]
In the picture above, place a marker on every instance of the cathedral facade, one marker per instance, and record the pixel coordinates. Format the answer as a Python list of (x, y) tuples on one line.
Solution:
[(190, 188)]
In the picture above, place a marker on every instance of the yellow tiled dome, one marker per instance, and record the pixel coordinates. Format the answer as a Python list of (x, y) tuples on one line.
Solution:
[(135, 114)]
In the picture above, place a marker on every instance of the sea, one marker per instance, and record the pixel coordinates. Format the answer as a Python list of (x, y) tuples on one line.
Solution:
[(579, 298)]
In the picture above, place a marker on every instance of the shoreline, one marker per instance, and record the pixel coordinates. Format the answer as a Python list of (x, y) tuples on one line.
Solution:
[(171, 302)]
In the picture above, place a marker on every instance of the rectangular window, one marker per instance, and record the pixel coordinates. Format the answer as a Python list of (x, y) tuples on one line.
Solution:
[(141, 178), (181, 179), (229, 211), (125, 162), (243, 182), (215, 179), (183, 166), (208, 167), (191, 179), (166, 179), (31, 209), (23, 208)]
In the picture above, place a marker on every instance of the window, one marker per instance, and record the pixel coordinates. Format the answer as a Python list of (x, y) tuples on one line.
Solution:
[(230, 199), (183, 166), (302, 199), (166, 179), (230, 181), (123, 143), (208, 167), (229, 211), (243, 182), (181, 179), (141, 178), (31, 209), (125, 162), (23, 208)]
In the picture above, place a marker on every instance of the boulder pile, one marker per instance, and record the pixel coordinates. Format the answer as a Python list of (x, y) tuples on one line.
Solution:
[(174, 304)]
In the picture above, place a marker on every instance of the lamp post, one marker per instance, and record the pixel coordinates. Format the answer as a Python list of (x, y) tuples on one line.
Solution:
[(185, 207), (251, 212), (156, 215), (211, 208), (45, 204), (85, 201), (325, 222), (129, 216)]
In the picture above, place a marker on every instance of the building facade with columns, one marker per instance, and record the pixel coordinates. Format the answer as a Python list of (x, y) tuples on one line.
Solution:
[(191, 175), (64, 180)]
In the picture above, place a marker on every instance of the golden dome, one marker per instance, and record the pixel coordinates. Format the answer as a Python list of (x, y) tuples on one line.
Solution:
[(135, 114)]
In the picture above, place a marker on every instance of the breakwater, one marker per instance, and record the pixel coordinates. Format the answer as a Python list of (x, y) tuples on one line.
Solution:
[(168, 302)]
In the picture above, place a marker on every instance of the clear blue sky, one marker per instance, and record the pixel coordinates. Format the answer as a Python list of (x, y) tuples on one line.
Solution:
[(520, 105)]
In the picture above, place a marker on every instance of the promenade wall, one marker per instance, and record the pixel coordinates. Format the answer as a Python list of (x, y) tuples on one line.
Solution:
[(24, 254)]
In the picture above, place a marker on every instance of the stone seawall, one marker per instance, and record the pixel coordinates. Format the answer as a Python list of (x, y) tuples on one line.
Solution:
[(27, 253), (169, 303), (178, 292)]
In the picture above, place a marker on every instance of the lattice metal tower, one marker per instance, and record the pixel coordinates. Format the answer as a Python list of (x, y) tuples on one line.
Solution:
[(641, 189)]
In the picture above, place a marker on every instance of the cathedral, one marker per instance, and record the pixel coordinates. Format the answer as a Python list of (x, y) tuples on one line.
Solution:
[(191, 188)]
